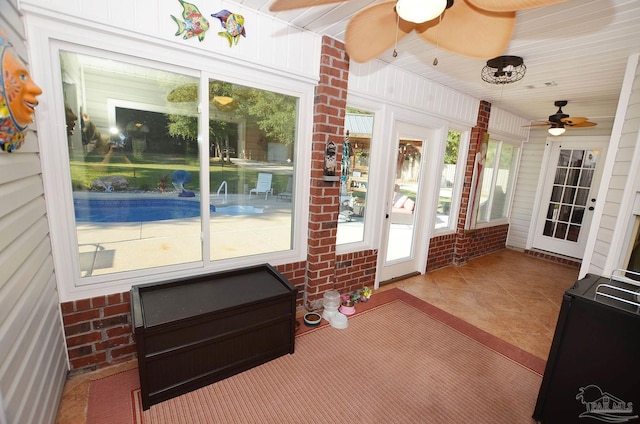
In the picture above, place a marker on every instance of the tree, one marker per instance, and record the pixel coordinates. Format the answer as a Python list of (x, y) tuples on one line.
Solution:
[(451, 153), (273, 113)]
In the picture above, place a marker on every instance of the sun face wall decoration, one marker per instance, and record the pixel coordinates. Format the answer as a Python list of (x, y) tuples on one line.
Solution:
[(18, 100)]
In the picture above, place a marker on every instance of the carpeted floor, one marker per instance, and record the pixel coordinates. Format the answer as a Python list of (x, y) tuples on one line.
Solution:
[(400, 361)]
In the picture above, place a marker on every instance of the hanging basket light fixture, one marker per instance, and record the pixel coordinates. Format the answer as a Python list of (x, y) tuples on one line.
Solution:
[(503, 70)]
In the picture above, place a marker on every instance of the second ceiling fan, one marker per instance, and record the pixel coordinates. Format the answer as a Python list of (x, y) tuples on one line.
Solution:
[(473, 28), (560, 121)]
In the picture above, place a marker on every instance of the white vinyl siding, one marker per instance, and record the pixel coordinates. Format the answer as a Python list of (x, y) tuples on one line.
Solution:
[(32, 350), (609, 251)]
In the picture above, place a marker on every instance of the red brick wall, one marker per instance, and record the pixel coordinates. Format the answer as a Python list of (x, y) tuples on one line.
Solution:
[(553, 258), (328, 125), (441, 249), (98, 331), (355, 270), (484, 240), (295, 273)]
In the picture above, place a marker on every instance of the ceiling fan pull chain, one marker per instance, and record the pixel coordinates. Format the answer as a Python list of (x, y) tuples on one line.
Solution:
[(435, 60), (395, 52)]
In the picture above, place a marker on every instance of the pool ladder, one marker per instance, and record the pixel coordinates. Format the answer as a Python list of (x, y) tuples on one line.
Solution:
[(222, 185)]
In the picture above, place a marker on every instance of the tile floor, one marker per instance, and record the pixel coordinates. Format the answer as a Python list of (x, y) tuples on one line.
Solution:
[(508, 294)]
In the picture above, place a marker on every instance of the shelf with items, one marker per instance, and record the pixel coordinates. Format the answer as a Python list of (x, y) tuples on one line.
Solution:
[(358, 181)]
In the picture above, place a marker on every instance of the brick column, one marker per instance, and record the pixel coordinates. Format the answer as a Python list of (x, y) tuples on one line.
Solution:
[(461, 251), (328, 125)]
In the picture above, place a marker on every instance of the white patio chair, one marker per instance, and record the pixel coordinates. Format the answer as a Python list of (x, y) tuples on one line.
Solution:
[(263, 185)]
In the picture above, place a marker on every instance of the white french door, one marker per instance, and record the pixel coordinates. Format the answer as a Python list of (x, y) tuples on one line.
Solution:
[(404, 243), (568, 197)]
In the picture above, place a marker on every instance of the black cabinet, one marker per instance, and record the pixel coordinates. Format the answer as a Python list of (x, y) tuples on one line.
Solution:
[(593, 372), (193, 332)]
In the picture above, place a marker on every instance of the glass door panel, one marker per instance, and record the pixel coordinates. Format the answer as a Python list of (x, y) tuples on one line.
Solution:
[(405, 197)]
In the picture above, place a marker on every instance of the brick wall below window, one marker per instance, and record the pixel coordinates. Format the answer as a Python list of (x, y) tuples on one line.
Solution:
[(355, 270), (458, 248), (98, 331), (575, 263), (295, 274)]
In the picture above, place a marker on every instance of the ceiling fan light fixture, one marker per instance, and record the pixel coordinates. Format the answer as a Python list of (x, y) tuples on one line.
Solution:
[(503, 70), (557, 130), (419, 11)]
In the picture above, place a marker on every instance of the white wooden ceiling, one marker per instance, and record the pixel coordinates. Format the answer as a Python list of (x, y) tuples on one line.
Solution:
[(575, 51)]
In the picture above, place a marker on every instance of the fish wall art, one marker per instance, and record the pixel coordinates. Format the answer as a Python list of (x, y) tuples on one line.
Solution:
[(193, 24), (233, 24)]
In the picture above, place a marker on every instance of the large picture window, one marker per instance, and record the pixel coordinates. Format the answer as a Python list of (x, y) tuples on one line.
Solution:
[(147, 183), (448, 198), (498, 175)]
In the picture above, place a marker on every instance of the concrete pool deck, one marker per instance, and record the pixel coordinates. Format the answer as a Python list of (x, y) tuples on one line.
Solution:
[(107, 248)]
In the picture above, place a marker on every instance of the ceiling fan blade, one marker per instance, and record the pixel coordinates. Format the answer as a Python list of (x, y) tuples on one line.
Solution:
[(512, 5), (469, 31), (538, 124), (584, 124), (573, 120), (373, 30), (280, 5)]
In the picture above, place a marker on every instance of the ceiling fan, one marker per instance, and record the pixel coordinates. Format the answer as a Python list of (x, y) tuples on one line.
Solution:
[(560, 121), (474, 28)]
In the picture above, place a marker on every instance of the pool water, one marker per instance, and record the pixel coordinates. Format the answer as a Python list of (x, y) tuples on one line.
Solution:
[(134, 210), (145, 210)]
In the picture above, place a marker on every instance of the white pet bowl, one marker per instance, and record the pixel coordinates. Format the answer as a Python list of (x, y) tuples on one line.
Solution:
[(339, 321)]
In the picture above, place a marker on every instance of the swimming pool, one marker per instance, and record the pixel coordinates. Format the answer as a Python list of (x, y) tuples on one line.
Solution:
[(144, 210)]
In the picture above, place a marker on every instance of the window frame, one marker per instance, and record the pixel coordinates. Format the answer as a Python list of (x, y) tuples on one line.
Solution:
[(456, 193), (375, 181), (509, 198), (56, 178)]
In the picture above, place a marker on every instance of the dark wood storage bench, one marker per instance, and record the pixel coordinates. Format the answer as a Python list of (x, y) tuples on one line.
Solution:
[(196, 331)]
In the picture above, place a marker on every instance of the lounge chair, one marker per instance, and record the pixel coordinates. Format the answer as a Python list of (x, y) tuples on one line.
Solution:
[(263, 185), (286, 195)]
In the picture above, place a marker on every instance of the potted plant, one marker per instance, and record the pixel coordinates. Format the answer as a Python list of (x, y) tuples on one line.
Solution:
[(365, 294)]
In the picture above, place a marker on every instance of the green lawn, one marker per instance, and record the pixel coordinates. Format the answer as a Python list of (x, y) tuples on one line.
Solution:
[(153, 172)]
